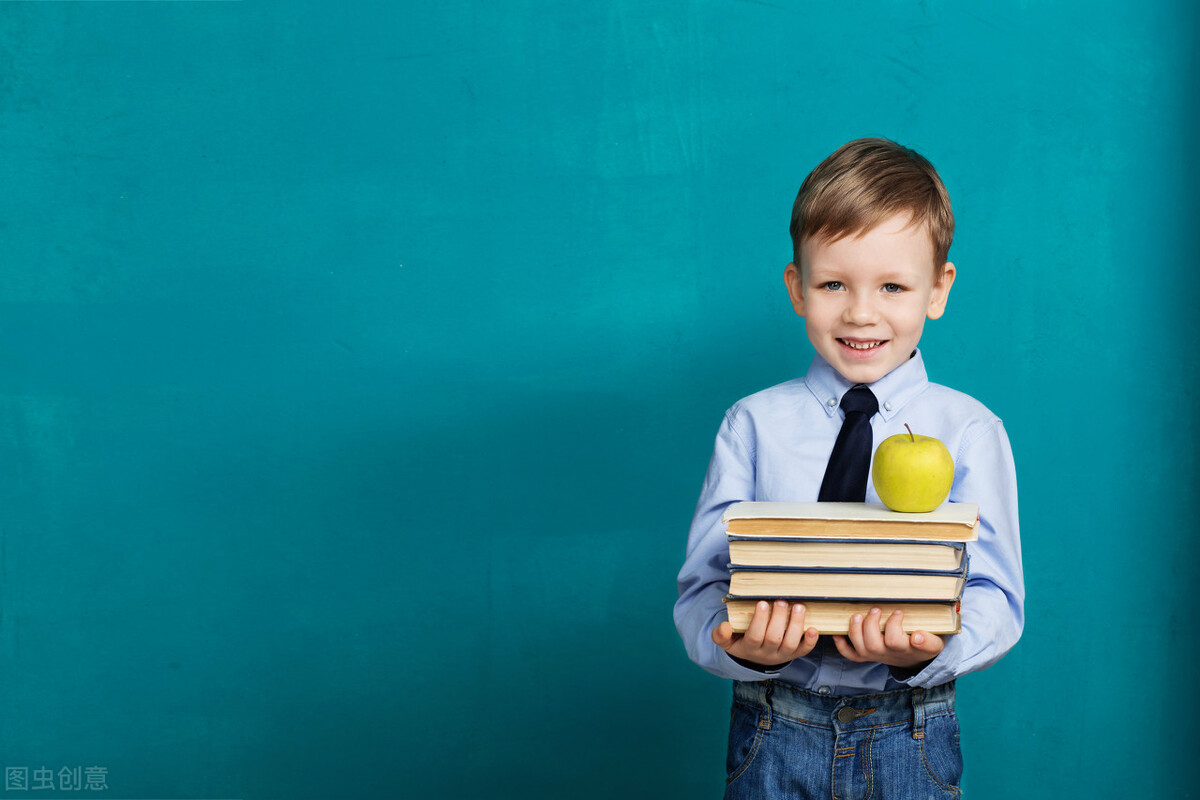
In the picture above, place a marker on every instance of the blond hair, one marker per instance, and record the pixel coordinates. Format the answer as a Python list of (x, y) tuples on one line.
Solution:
[(865, 182)]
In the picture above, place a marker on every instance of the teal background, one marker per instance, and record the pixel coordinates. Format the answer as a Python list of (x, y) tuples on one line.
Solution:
[(360, 363)]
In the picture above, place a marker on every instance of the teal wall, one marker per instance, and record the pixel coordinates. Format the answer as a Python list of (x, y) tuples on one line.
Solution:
[(360, 363)]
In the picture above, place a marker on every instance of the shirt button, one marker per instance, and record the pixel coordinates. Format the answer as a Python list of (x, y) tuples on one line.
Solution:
[(887, 406), (832, 402), (823, 690)]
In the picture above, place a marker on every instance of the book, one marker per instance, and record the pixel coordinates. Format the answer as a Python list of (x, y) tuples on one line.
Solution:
[(771, 551), (952, 522), (833, 616), (867, 584), (840, 559)]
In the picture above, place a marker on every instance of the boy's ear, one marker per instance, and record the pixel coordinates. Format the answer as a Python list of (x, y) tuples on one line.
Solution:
[(795, 287), (941, 292)]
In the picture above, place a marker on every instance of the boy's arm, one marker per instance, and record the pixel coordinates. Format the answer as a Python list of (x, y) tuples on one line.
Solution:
[(704, 578), (993, 603)]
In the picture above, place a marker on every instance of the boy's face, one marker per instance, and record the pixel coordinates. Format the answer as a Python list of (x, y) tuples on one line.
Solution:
[(865, 298)]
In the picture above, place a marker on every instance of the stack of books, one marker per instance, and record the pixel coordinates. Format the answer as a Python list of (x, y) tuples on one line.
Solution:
[(841, 559)]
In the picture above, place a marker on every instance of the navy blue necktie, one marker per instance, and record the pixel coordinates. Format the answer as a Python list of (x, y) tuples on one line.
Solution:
[(846, 474)]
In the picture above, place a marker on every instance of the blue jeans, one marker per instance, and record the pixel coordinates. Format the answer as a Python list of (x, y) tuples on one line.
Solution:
[(785, 742)]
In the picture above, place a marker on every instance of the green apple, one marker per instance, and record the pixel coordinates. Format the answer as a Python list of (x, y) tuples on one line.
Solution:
[(912, 473)]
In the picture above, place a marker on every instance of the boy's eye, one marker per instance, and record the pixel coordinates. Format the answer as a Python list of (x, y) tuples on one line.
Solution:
[(833, 286), (892, 288)]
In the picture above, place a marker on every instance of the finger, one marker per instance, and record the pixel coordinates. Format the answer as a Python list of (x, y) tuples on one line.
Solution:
[(855, 635), (722, 635), (757, 627), (777, 626), (795, 628), (846, 649), (894, 637), (872, 632), (807, 643), (928, 643)]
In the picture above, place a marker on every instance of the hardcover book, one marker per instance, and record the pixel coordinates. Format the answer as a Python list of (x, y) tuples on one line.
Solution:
[(833, 616), (955, 522), (768, 551), (866, 584)]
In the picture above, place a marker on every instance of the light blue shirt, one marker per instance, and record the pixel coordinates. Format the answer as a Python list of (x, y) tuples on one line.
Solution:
[(774, 445)]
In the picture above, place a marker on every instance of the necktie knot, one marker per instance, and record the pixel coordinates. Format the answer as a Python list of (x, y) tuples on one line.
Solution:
[(860, 399)]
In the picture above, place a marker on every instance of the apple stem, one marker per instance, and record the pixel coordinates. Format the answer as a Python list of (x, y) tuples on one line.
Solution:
[(910, 433)]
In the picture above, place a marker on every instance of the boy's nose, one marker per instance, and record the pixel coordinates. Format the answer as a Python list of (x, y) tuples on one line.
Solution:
[(860, 310)]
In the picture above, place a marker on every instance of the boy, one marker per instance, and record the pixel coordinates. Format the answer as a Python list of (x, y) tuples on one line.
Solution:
[(870, 713)]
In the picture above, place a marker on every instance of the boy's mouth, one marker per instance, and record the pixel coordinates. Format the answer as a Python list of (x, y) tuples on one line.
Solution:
[(862, 344)]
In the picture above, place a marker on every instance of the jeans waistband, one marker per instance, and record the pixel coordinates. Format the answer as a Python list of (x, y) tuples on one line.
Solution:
[(850, 712)]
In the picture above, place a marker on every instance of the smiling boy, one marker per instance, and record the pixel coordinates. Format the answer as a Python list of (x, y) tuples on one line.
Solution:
[(870, 713)]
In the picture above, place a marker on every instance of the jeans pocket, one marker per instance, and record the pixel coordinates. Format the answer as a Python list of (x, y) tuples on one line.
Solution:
[(747, 726), (942, 753)]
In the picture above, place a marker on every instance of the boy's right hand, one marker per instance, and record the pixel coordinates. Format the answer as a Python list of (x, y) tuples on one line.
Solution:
[(776, 635)]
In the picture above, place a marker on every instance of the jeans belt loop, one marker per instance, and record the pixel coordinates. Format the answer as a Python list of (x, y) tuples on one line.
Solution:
[(918, 703), (767, 688)]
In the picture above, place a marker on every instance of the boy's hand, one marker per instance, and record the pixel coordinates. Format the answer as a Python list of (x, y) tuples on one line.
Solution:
[(776, 635), (892, 646)]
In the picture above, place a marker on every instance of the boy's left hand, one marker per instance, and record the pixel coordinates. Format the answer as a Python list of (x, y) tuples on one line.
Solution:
[(891, 646)]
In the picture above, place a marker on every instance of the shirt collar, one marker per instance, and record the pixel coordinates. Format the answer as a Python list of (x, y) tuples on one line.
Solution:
[(893, 390)]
